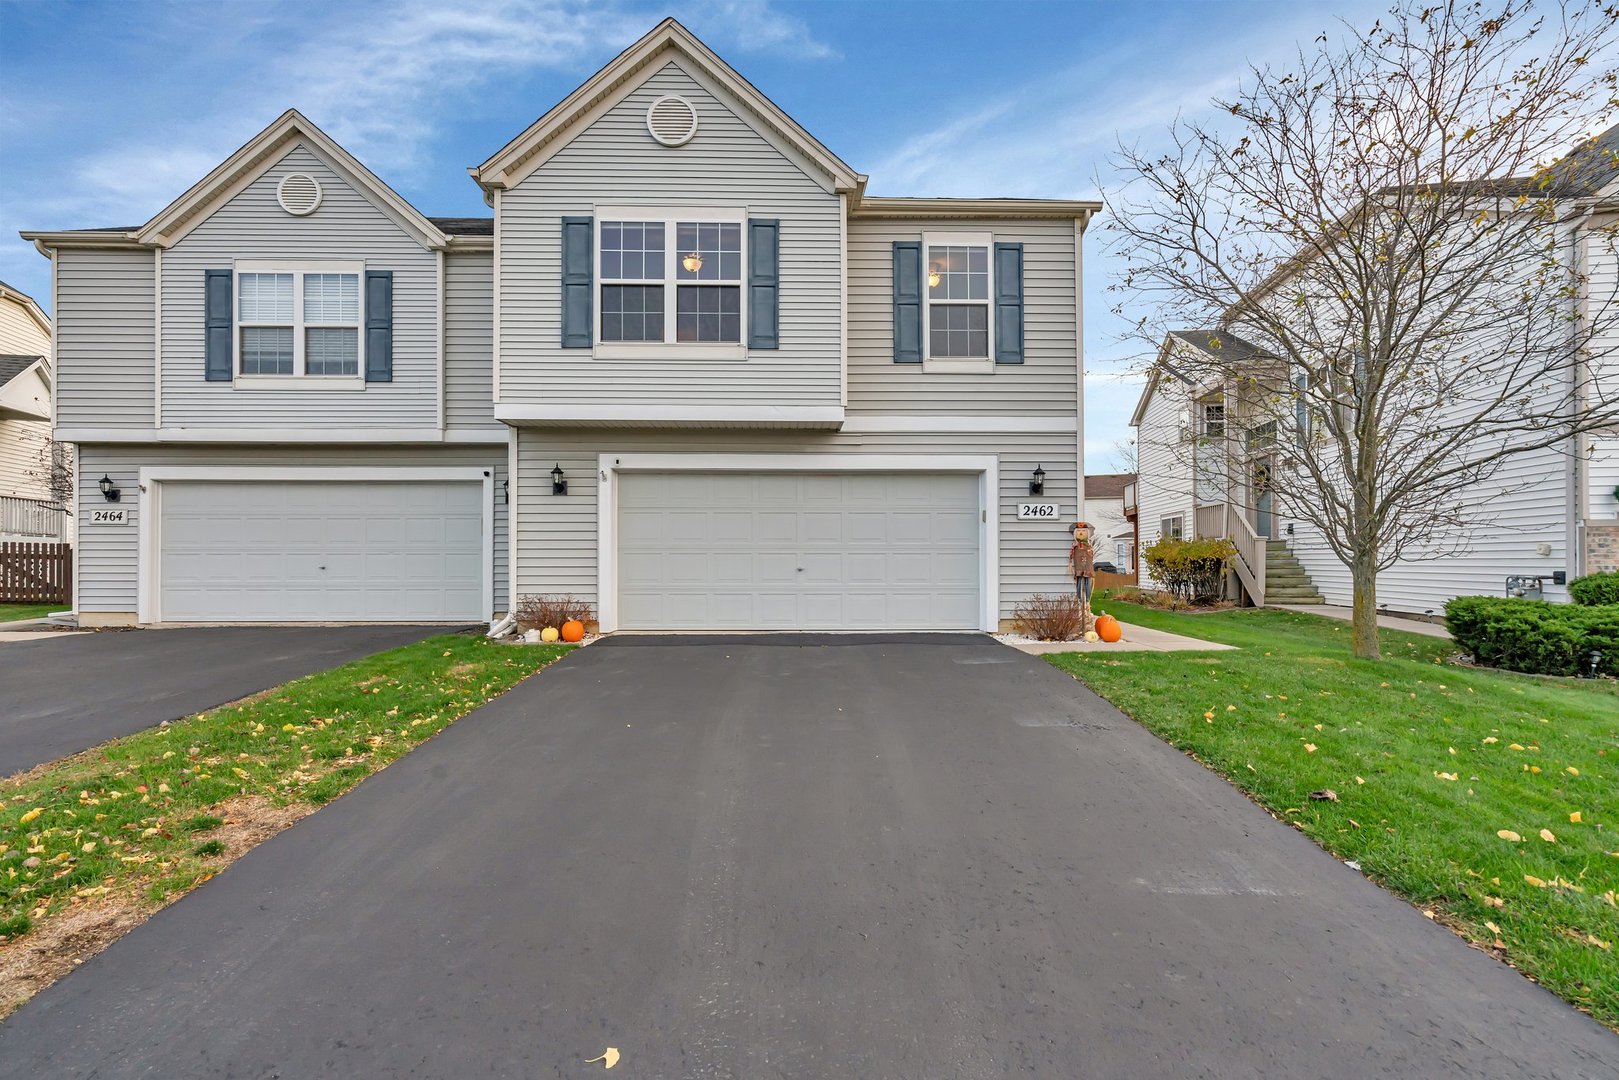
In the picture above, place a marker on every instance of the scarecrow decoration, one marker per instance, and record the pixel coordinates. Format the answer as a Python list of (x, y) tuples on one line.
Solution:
[(1082, 568)]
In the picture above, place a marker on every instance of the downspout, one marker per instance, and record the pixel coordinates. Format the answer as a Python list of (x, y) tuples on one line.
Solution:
[(1578, 475)]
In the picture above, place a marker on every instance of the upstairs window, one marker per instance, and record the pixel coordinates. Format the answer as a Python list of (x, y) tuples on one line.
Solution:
[(1213, 418), (958, 292), (672, 278), (298, 322)]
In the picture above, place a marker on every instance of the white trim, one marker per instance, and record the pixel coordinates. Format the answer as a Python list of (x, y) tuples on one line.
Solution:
[(986, 466), (495, 286), (843, 298), (674, 351), (1079, 356), (157, 337), (872, 424), (277, 435), (511, 520), (828, 415), (440, 338), (151, 479), (959, 365)]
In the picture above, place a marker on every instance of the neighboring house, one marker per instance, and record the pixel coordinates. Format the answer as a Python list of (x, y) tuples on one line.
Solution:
[(1106, 509), (689, 372), (29, 506), (1552, 513)]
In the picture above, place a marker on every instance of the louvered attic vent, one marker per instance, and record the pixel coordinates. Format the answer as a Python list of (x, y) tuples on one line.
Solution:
[(298, 193), (672, 120)]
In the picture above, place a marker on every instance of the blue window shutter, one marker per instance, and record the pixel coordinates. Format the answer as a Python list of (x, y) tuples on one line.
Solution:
[(578, 268), (379, 326), (764, 283), (1009, 303), (907, 301), (217, 323)]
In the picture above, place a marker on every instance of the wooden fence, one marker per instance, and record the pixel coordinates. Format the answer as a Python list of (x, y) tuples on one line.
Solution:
[(1114, 581), (36, 573)]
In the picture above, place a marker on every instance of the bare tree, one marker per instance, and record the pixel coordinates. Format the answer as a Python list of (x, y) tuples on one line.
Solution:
[(1397, 225)]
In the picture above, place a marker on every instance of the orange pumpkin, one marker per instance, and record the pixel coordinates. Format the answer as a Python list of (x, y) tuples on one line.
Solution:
[(1108, 628), (573, 631)]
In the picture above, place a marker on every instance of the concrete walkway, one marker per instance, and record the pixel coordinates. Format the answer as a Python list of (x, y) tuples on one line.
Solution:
[(1136, 639), (1387, 622)]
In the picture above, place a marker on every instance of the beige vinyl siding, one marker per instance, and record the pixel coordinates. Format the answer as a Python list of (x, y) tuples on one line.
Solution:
[(728, 164), (104, 323), (20, 335), (108, 555), (1044, 384), (557, 533), (25, 458), (1602, 263), (469, 342), (347, 226)]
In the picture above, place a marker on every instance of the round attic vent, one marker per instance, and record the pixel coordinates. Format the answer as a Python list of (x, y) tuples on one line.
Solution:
[(298, 193), (672, 120)]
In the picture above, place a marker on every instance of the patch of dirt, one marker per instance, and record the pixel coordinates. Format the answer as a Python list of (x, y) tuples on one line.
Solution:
[(372, 681), (251, 699), (461, 670), (58, 943)]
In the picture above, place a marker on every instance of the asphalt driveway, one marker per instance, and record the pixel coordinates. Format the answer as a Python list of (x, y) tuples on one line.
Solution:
[(62, 695), (775, 857)]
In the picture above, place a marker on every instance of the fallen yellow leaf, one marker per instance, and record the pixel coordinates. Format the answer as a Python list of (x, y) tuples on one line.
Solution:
[(1358, 780), (1515, 746), (1490, 739), (1574, 817), (1548, 836), (1494, 901), (31, 815), (1572, 771), (1309, 748), (1446, 775), (608, 1059), (1598, 942), (1492, 928), (1533, 880), (1508, 834)]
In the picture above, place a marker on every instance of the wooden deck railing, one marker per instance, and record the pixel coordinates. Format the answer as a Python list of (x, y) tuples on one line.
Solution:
[(1250, 561), (35, 573), (31, 517), (1209, 521)]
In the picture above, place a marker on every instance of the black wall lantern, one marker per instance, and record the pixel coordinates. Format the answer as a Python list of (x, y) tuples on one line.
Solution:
[(559, 486), (1037, 486), (109, 490)]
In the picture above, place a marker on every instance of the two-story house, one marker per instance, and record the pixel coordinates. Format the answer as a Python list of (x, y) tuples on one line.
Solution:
[(32, 466), (689, 371)]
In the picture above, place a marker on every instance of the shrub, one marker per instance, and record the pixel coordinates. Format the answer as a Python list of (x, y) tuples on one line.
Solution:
[(538, 612), (1048, 618), (1593, 589), (1191, 571), (1535, 636)]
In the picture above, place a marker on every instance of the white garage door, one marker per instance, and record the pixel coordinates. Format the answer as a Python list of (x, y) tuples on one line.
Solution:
[(798, 551), (319, 551)]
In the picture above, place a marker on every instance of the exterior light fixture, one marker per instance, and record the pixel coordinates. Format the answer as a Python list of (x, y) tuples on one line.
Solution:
[(506, 491), (559, 486), (934, 277), (1037, 486), (109, 490), (692, 263), (1593, 661)]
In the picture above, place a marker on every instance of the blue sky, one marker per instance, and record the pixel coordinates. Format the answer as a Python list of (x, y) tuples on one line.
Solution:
[(110, 110)]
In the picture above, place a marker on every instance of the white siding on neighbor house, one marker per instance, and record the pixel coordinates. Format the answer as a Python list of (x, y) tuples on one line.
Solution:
[(1106, 516), (25, 458), (104, 323), (1164, 486), (1045, 384), (347, 226), (469, 342), (614, 161), (1602, 480), (108, 555), (557, 534)]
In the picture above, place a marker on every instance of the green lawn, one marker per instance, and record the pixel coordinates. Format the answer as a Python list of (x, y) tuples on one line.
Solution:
[(14, 612), (1431, 763), (139, 817)]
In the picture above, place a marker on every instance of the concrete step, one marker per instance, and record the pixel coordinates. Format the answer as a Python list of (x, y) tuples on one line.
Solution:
[(1301, 598)]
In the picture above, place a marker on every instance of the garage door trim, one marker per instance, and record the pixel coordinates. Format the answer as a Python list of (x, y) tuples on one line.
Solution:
[(149, 509), (984, 466)]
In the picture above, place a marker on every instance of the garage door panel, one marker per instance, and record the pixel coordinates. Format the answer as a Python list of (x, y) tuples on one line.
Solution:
[(318, 550), (798, 551)]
